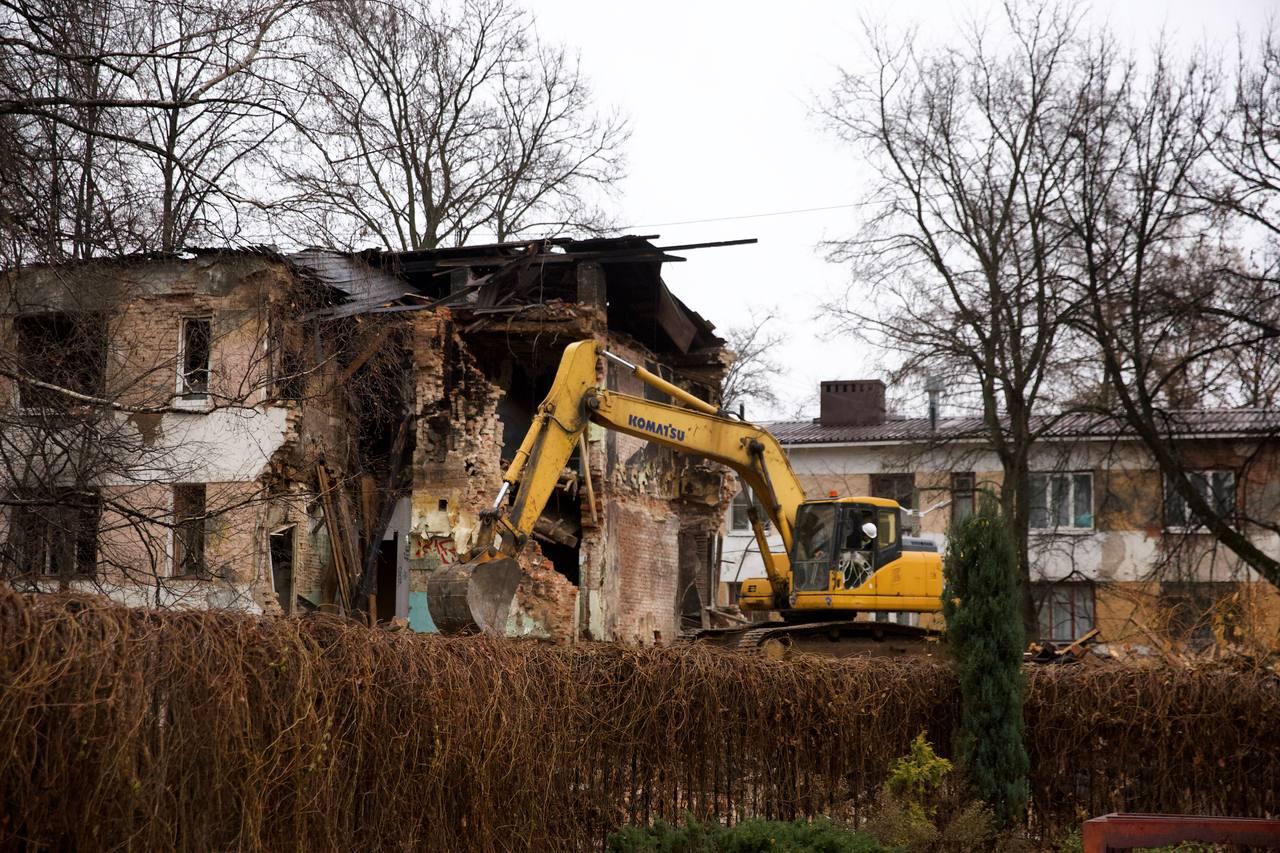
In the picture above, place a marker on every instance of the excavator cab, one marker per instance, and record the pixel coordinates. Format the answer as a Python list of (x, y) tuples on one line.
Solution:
[(839, 544), (849, 555)]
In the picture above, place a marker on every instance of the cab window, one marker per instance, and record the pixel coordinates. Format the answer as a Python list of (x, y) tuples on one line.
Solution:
[(887, 532), (814, 539)]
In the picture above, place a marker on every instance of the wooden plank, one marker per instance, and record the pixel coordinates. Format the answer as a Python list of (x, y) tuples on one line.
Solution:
[(336, 549), (365, 354), (673, 321), (368, 506)]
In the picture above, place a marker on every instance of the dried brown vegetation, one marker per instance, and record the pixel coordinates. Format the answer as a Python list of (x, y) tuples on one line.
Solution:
[(204, 730)]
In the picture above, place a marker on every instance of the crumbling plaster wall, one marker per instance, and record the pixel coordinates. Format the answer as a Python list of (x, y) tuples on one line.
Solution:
[(225, 442), (456, 462)]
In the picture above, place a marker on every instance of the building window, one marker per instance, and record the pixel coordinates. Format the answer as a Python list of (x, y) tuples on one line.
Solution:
[(1062, 501), (63, 349), (964, 490), (193, 358), (1065, 610), (897, 487), (1193, 608), (738, 516), (189, 515), (738, 512), (1218, 488), (290, 365), (58, 538)]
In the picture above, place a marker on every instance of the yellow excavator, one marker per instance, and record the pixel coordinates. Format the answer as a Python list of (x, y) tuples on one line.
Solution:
[(843, 555)]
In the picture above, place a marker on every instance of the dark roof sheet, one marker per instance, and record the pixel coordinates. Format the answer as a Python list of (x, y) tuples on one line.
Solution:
[(364, 285), (1184, 422)]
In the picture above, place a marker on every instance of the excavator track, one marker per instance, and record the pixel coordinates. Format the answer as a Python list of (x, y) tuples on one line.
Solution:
[(838, 638)]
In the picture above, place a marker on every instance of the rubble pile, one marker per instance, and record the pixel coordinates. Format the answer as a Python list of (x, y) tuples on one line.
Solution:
[(546, 602)]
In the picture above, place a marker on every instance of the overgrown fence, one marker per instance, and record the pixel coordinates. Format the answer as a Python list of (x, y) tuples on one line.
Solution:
[(203, 731)]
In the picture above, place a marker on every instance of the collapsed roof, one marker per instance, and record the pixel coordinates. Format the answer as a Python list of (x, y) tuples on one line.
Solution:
[(507, 278)]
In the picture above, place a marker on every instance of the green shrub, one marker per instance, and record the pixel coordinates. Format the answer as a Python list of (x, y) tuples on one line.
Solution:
[(919, 773), (984, 632), (923, 810), (751, 836)]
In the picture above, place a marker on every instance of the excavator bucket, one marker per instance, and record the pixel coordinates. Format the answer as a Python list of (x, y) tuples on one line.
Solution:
[(473, 596)]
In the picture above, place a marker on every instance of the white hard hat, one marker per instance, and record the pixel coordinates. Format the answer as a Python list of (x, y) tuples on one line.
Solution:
[(869, 530)]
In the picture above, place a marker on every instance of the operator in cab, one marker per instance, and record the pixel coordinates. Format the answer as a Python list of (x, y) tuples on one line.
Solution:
[(856, 557)]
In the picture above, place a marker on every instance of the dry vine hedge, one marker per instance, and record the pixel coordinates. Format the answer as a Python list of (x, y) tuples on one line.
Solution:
[(197, 731)]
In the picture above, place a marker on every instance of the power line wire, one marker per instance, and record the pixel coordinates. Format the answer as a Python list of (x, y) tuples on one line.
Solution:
[(747, 215)]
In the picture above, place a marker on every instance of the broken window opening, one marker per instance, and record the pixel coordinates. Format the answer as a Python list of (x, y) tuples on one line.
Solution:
[(56, 539), (64, 349), (194, 351), (1217, 488), (559, 533), (1062, 501), (282, 567), (288, 364), (189, 516)]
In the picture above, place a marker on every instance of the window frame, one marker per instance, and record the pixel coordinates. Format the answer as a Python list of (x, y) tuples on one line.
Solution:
[(1200, 613), (879, 486), (1047, 497), (81, 521), (741, 503), (1167, 494), (184, 394), (961, 492), (1043, 593), (190, 523)]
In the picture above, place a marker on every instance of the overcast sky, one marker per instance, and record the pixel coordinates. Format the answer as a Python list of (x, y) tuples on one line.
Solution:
[(720, 97)]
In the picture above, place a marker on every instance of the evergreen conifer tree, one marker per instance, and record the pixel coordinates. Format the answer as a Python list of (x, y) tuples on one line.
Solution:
[(985, 636)]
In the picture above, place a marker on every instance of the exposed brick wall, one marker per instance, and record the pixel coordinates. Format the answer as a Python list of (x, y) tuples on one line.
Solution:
[(142, 454), (644, 552), (457, 455)]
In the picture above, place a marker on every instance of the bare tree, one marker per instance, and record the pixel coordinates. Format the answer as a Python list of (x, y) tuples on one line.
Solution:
[(137, 117), (211, 110), (64, 167), (963, 256), (753, 376), (1170, 316), (425, 125), (1061, 230)]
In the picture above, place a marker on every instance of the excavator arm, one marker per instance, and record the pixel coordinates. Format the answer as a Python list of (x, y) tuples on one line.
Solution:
[(478, 590)]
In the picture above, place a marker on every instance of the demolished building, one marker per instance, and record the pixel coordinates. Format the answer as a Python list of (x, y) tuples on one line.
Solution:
[(320, 430)]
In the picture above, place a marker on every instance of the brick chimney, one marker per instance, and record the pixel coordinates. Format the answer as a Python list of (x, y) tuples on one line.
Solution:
[(852, 402)]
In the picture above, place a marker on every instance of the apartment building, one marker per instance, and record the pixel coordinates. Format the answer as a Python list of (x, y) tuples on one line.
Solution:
[(1111, 546)]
